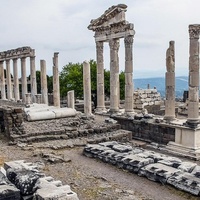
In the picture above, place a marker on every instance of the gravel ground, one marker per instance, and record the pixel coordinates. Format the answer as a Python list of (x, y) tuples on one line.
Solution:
[(92, 179)]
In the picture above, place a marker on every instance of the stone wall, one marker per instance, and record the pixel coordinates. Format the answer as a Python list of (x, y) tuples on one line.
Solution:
[(146, 97), (148, 130), (11, 119)]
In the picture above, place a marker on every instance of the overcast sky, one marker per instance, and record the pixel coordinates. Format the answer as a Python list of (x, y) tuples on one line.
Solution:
[(50, 26)]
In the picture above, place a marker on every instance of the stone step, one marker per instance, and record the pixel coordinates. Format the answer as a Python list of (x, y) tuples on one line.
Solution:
[(118, 135)]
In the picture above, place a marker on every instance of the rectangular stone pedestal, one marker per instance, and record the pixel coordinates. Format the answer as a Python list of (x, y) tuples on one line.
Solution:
[(187, 143)]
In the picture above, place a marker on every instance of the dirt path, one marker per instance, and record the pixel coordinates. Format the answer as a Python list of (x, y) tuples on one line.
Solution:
[(92, 179)]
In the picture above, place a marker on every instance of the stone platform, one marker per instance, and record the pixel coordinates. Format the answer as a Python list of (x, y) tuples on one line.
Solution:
[(154, 166)]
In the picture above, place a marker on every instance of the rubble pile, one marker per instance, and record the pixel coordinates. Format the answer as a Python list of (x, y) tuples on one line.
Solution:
[(146, 97), (72, 128), (23, 180), (156, 167)]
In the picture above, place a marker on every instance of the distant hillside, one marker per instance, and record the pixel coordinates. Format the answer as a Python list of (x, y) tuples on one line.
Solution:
[(159, 83)]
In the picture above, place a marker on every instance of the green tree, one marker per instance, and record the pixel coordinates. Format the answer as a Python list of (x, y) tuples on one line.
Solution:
[(71, 78)]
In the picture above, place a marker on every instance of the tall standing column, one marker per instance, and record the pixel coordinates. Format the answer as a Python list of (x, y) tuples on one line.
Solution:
[(2, 81), (24, 79), (16, 80), (128, 41), (8, 80), (33, 79), (100, 77), (43, 77), (170, 83), (114, 75), (193, 104), (87, 88), (56, 83)]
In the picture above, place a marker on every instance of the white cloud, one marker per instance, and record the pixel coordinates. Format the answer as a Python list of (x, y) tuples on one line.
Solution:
[(61, 25)]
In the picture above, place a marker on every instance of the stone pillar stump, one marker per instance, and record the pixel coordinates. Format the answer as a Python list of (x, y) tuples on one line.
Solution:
[(87, 88)]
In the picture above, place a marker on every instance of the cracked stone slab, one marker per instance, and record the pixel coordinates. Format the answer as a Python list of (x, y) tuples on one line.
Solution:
[(186, 182), (158, 172)]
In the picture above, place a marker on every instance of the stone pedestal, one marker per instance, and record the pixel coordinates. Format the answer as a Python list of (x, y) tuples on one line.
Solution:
[(128, 74), (24, 79), (187, 142), (100, 77), (16, 81), (8, 80), (56, 83), (38, 98), (193, 104), (28, 98), (33, 79), (114, 75), (87, 88), (43, 82), (2, 81), (70, 99)]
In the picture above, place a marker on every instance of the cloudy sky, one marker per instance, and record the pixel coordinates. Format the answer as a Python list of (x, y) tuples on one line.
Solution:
[(51, 26)]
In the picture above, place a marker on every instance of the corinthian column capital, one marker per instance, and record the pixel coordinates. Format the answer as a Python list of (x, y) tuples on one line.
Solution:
[(114, 44), (194, 31), (128, 41)]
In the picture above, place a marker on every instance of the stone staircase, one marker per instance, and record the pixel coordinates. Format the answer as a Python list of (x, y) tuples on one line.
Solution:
[(71, 128)]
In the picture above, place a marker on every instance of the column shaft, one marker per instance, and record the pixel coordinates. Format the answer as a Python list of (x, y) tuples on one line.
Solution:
[(70, 99), (16, 80), (193, 104), (8, 80), (33, 79), (100, 77), (23, 79), (170, 83), (87, 88), (56, 83), (2, 81), (114, 75), (43, 76), (128, 73)]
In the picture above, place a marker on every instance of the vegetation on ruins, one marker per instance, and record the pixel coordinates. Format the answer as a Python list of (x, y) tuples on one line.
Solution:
[(71, 78)]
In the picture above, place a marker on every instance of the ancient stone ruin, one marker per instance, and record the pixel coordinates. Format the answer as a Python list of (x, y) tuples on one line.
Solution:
[(103, 132), (110, 27)]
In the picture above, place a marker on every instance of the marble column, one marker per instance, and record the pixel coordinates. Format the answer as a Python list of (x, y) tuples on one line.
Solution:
[(170, 83), (23, 79), (33, 79), (43, 77), (16, 80), (87, 88), (8, 80), (56, 83), (2, 81), (70, 99), (128, 41), (100, 77), (193, 103), (114, 75)]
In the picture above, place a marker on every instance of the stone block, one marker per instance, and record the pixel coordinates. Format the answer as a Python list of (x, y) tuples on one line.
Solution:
[(186, 182), (157, 172), (50, 189)]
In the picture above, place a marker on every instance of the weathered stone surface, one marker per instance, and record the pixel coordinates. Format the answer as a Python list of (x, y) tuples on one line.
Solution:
[(24, 180), (158, 172), (54, 190), (154, 166)]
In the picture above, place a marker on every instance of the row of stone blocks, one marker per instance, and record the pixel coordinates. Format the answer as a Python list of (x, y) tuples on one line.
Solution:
[(20, 180), (156, 167)]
